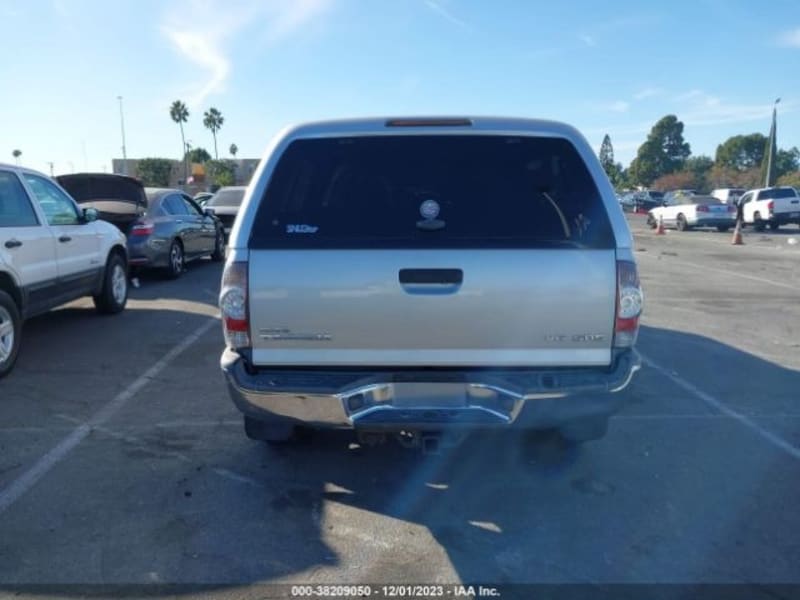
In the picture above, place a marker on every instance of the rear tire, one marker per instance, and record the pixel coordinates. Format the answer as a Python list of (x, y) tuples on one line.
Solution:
[(219, 247), (758, 224), (175, 260), (10, 333), (682, 225), (584, 430), (114, 295), (774, 226), (272, 433)]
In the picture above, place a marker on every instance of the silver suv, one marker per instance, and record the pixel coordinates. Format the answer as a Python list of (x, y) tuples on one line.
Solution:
[(419, 276)]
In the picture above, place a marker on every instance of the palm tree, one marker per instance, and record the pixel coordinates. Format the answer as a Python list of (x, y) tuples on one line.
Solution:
[(233, 150), (213, 120), (16, 154), (180, 114)]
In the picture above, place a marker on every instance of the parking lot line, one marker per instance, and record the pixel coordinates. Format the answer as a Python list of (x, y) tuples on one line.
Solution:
[(735, 274), (773, 439), (28, 479)]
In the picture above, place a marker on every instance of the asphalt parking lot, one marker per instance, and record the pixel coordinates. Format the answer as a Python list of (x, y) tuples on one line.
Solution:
[(122, 460)]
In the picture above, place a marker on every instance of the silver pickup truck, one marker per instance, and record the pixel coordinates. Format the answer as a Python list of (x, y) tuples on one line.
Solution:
[(424, 275)]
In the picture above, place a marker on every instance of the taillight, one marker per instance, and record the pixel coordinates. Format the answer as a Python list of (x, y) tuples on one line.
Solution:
[(770, 206), (143, 228), (702, 208), (630, 300), (233, 304)]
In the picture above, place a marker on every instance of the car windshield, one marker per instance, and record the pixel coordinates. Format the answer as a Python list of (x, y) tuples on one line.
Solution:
[(227, 197)]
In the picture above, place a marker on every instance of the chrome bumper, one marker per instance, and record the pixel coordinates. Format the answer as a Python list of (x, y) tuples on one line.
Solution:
[(425, 399)]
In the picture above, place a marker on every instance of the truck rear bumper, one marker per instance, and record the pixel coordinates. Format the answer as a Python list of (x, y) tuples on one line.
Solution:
[(427, 399)]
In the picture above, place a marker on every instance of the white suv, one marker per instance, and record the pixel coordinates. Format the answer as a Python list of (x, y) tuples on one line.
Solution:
[(51, 252)]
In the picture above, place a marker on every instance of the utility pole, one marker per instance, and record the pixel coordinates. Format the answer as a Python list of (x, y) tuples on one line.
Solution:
[(772, 143), (51, 167), (122, 128)]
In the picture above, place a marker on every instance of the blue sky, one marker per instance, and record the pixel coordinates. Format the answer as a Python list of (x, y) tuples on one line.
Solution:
[(606, 67)]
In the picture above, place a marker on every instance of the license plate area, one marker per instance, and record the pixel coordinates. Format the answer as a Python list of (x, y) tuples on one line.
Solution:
[(429, 395)]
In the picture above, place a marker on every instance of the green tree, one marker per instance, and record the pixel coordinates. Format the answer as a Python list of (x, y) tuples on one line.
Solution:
[(741, 152), (154, 172), (679, 180), (613, 169), (663, 152), (222, 172), (786, 161), (699, 167), (233, 150), (180, 114), (16, 154), (213, 120), (198, 155)]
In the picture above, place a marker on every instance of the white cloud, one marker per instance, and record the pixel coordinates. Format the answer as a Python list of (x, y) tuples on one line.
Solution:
[(648, 92), (588, 40), (438, 7), (203, 39), (790, 39), (618, 106), (702, 109)]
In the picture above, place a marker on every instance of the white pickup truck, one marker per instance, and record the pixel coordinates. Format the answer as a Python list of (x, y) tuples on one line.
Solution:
[(694, 211), (774, 206)]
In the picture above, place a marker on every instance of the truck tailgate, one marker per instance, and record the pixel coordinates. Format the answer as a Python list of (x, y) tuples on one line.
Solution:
[(451, 307)]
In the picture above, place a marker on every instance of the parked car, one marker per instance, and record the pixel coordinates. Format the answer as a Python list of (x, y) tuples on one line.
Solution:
[(642, 201), (694, 211), (174, 231), (52, 252), (118, 199), (225, 205), (728, 195), (202, 197), (773, 206), (412, 276)]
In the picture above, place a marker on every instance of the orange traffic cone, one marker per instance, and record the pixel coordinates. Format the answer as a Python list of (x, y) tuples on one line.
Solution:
[(737, 234), (660, 230)]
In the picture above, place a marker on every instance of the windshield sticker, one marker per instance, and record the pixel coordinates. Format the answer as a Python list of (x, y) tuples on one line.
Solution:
[(301, 229)]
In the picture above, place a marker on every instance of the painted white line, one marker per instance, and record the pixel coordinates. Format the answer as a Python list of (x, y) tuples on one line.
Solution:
[(715, 417), (41, 467), (773, 439), (734, 274)]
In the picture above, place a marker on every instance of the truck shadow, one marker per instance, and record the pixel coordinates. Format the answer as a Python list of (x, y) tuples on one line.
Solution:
[(499, 508)]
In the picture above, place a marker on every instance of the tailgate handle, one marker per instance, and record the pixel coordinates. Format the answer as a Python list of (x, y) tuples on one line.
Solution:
[(431, 276)]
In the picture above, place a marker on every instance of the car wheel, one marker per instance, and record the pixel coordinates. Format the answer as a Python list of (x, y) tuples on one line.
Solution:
[(758, 224), (263, 431), (682, 225), (651, 222), (774, 226), (176, 260), (219, 247), (584, 430), (10, 333), (114, 295), (722, 228)]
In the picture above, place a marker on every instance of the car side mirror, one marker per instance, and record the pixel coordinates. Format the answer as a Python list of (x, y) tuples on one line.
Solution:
[(89, 215)]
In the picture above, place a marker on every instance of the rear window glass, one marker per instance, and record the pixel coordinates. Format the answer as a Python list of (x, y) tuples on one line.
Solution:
[(226, 198), (431, 192), (777, 193)]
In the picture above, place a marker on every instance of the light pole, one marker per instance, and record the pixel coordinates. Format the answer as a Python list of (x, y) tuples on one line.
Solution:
[(772, 144), (122, 128)]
